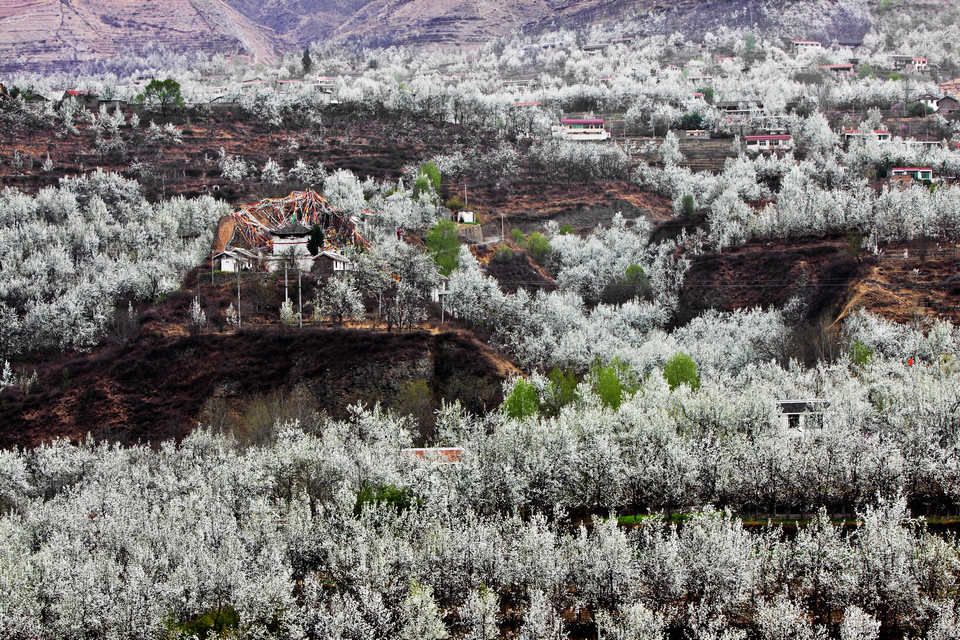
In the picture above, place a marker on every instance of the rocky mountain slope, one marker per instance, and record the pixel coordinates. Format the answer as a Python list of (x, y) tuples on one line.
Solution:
[(48, 34)]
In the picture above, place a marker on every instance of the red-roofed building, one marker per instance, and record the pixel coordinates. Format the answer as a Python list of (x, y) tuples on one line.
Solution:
[(909, 62), (443, 455), (881, 135), (83, 98), (517, 105), (770, 142)]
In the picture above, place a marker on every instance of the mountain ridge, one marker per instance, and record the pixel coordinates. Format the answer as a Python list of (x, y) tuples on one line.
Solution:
[(44, 35)]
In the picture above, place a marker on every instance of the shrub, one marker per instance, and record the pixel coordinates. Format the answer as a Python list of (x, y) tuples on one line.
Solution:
[(455, 203), (218, 621), (503, 254), (518, 237), (681, 369), (523, 401), (539, 247), (389, 494), (566, 229), (688, 205)]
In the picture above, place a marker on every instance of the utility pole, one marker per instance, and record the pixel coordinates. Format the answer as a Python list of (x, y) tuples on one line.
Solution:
[(299, 297), (239, 320), (503, 237)]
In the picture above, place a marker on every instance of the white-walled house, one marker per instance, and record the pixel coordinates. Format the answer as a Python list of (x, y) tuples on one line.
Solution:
[(773, 142), (917, 173), (801, 417), (581, 129), (235, 259), (290, 242)]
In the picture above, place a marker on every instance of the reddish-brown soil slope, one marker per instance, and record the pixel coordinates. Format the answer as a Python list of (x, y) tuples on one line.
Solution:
[(923, 283), (155, 388)]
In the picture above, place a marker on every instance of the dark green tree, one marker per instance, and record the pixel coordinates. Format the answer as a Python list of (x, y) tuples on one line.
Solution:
[(681, 369), (161, 93), (443, 243), (307, 61), (315, 243)]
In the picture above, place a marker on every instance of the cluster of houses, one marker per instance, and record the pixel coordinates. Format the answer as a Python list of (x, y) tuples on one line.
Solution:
[(287, 248)]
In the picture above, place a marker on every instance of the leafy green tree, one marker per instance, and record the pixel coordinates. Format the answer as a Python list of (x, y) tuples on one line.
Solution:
[(613, 383), (427, 179), (708, 94), (162, 93), (636, 278), (560, 391), (519, 237), (523, 401), (681, 369), (315, 243), (539, 246), (691, 121), (443, 243), (860, 354), (565, 229), (688, 205)]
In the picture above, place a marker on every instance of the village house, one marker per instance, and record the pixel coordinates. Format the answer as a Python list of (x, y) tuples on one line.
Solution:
[(112, 103), (331, 263), (805, 45), (880, 135), (235, 259), (839, 70), (290, 244), (772, 142), (947, 105), (800, 417), (917, 173), (83, 98), (580, 129), (907, 62)]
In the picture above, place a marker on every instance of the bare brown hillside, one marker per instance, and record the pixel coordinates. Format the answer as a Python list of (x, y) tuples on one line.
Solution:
[(907, 282), (156, 387), (50, 34)]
